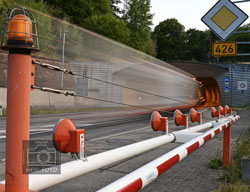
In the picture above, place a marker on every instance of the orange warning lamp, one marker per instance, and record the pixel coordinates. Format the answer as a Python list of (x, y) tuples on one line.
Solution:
[(228, 109), (215, 112), (67, 138), (222, 110), (20, 30), (180, 118), (158, 122), (195, 116)]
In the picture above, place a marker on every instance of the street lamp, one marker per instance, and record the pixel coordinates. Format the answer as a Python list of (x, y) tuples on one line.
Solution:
[(63, 46)]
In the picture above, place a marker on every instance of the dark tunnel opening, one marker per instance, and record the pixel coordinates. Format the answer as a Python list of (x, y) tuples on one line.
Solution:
[(210, 91)]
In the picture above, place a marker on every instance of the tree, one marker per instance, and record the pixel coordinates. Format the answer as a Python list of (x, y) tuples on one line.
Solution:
[(78, 10), (151, 48), (137, 15), (170, 38), (109, 26), (116, 9), (197, 44), (3, 13), (243, 37)]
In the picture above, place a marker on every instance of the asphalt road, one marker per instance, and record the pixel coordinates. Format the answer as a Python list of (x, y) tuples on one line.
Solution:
[(44, 123), (191, 171)]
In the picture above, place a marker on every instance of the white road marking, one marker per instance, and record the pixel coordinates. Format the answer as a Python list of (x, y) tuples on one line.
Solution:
[(82, 125)]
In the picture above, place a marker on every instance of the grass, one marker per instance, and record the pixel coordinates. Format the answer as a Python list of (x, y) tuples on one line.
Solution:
[(58, 111), (215, 164), (245, 107), (4, 112), (232, 178)]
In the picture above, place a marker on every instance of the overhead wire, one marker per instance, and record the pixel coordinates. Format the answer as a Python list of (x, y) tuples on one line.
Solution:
[(71, 93), (66, 71)]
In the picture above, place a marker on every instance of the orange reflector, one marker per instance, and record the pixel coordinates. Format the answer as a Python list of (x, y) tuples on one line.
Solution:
[(228, 109), (215, 112), (158, 122), (222, 110), (66, 137), (180, 118), (195, 116)]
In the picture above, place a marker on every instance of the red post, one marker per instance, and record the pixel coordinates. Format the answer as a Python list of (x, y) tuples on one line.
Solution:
[(226, 146), (20, 77), (18, 120)]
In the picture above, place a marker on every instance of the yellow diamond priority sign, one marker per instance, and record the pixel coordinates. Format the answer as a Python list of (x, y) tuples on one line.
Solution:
[(224, 18)]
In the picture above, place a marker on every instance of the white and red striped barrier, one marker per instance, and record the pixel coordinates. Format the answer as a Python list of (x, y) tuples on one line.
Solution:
[(141, 177)]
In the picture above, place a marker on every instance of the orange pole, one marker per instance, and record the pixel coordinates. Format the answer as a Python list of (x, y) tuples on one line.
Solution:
[(226, 146), (18, 119)]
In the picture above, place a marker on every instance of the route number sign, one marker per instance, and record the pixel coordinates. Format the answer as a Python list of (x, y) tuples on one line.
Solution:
[(224, 49)]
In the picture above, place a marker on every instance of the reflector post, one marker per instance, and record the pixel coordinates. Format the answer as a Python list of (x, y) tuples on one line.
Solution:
[(67, 138), (159, 123), (222, 111), (180, 118), (195, 116), (215, 112), (228, 110)]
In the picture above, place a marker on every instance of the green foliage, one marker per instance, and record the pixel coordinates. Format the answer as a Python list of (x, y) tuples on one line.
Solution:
[(237, 187), (170, 38), (3, 12), (109, 26), (35, 4), (215, 163), (46, 111), (96, 16), (116, 9), (233, 182), (78, 10), (247, 107), (197, 45), (137, 15), (242, 149), (242, 37), (151, 48), (4, 111), (244, 48)]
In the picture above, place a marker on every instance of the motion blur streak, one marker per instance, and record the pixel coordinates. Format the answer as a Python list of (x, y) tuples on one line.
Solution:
[(100, 58)]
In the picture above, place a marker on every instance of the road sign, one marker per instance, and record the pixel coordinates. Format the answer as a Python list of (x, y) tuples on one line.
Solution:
[(226, 88), (224, 49), (226, 79), (226, 84), (224, 18), (242, 85)]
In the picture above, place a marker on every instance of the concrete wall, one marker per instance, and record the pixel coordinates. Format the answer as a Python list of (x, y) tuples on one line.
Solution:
[(234, 97), (3, 97), (40, 99)]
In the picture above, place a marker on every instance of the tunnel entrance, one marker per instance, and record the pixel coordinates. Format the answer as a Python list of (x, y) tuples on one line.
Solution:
[(210, 91)]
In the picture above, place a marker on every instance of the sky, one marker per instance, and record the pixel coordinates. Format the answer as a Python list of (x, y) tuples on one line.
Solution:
[(187, 12)]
